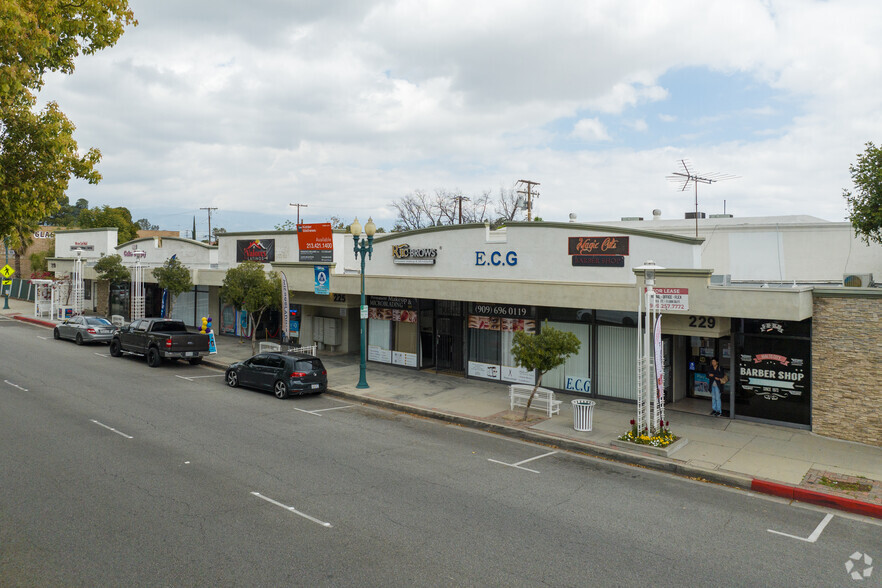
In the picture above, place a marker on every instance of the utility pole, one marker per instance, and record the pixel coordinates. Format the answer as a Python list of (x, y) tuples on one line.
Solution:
[(209, 222), (459, 200), (529, 194), (298, 205)]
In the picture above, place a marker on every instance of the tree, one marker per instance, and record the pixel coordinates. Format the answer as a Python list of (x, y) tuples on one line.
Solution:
[(39, 263), (420, 209), (865, 206), (67, 214), (38, 157), (20, 238), (105, 216), (38, 154), (174, 277), (248, 287), (145, 225), (38, 36), (110, 268), (543, 352)]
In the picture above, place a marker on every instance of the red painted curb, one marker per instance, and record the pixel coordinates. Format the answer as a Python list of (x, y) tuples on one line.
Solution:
[(819, 498), (35, 321)]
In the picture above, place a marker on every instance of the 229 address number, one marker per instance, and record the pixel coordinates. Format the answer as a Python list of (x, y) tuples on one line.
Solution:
[(702, 322)]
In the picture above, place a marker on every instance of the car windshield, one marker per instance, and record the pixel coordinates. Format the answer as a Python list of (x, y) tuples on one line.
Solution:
[(308, 365), (101, 322)]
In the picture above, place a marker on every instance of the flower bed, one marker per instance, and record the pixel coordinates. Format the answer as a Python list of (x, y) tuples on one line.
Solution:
[(663, 438)]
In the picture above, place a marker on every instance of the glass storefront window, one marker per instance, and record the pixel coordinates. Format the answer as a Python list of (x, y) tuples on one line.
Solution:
[(490, 342), (575, 374), (380, 340)]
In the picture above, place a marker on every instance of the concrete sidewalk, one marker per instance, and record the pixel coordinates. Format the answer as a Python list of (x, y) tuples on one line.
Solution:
[(787, 462)]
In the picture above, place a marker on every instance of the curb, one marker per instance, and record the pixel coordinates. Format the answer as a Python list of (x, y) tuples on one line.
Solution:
[(818, 498), (35, 321)]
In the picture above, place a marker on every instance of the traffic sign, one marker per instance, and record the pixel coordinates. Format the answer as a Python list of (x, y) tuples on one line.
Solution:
[(7, 271), (7, 282)]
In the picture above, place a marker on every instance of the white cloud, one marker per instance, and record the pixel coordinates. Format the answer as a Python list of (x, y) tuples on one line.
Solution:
[(348, 105), (590, 129)]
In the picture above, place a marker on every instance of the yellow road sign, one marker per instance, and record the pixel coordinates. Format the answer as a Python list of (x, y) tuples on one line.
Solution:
[(7, 271), (7, 282)]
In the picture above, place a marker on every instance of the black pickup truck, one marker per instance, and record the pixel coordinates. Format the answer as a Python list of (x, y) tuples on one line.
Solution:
[(158, 339)]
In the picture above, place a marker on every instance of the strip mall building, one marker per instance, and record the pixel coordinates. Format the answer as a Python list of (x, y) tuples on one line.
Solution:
[(764, 296)]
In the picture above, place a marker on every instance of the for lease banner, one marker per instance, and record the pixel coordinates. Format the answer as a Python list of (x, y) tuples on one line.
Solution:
[(316, 242)]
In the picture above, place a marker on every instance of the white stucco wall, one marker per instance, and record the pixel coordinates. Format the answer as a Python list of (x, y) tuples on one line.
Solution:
[(522, 251), (93, 243), (192, 254)]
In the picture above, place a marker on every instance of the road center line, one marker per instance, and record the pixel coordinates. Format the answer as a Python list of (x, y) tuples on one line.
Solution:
[(815, 534), (292, 509), (16, 386), (111, 429)]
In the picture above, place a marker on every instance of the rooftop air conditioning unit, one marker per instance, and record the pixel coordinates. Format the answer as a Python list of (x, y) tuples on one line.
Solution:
[(857, 280)]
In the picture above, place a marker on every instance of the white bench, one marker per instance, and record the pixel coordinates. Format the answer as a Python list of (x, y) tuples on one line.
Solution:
[(519, 394)]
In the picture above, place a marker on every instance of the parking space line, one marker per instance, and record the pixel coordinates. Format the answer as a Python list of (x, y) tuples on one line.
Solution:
[(184, 378), (318, 410), (811, 538), (111, 429), (518, 464), (16, 386), (101, 354), (43, 338), (293, 510)]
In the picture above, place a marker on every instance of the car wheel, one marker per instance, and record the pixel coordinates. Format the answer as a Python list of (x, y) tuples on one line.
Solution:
[(195, 361), (153, 358), (232, 378), (79, 339), (56, 334), (115, 348), (280, 389)]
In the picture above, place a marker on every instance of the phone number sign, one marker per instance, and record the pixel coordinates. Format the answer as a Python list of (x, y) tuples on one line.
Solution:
[(666, 299)]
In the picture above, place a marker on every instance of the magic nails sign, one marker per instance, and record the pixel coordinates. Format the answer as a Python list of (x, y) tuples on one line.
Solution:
[(598, 251), (259, 250)]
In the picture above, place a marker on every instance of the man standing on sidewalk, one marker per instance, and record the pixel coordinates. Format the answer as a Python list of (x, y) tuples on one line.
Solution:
[(716, 377)]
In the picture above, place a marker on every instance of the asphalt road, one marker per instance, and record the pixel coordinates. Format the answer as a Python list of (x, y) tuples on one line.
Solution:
[(113, 473)]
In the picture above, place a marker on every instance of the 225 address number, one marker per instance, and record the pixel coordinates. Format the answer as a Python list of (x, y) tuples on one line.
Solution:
[(702, 322)]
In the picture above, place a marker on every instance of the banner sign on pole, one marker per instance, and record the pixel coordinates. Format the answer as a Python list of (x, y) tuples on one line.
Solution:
[(212, 344), (286, 315), (322, 280)]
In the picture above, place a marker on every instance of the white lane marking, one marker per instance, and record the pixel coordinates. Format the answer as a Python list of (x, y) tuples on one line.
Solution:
[(101, 354), (294, 510), (811, 538), (16, 386), (111, 429), (191, 378), (518, 464), (43, 338), (315, 412)]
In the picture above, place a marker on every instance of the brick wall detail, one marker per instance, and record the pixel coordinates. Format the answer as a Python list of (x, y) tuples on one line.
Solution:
[(847, 368)]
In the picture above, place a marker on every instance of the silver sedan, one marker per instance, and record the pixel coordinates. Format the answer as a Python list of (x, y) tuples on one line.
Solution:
[(85, 329)]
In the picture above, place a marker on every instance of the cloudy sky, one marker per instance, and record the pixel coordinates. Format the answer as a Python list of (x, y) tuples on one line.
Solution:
[(348, 105)]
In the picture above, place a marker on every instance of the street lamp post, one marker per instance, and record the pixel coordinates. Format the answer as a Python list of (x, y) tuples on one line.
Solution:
[(362, 247)]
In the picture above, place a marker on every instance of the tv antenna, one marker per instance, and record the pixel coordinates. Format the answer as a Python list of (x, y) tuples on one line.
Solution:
[(687, 176)]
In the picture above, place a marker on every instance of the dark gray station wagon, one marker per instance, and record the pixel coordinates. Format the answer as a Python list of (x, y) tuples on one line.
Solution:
[(283, 373)]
